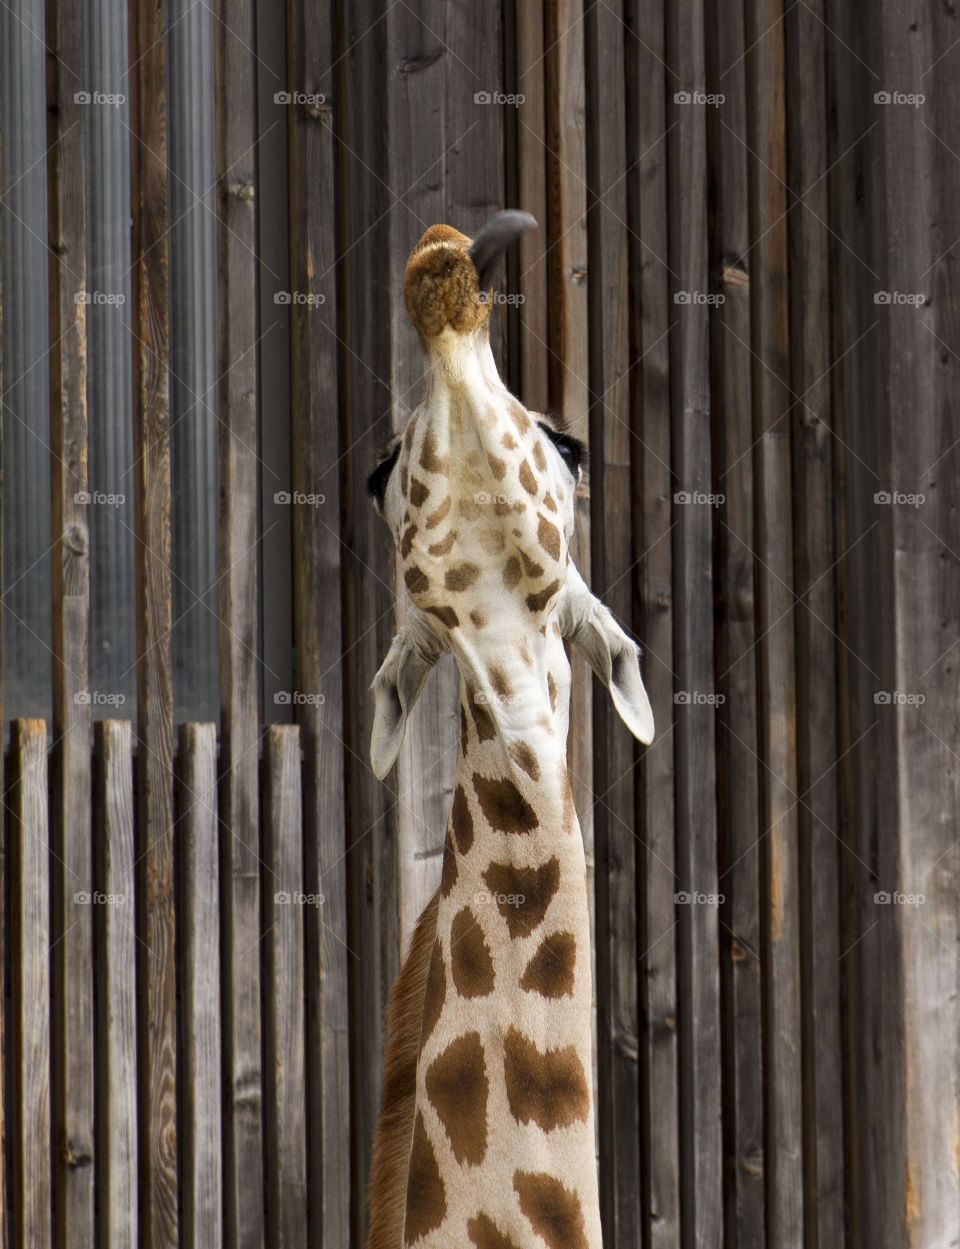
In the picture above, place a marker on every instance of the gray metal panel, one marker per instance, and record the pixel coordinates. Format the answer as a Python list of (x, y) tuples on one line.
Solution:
[(26, 403), (109, 393), (193, 351)]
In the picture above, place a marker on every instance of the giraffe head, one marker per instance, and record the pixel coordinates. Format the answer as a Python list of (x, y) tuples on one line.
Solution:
[(479, 495)]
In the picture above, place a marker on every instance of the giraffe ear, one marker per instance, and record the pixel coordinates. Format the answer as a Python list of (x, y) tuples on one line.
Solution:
[(403, 674), (612, 655)]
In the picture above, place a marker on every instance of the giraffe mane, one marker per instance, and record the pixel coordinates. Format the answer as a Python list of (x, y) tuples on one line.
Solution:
[(391, 1149)]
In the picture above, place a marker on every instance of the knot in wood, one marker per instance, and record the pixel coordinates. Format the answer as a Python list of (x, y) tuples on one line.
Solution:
[(76, 539)]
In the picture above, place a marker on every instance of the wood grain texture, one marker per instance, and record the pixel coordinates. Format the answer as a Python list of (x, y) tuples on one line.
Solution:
[(115, 872), (738, 781), (766, 139), (285, 903), (199, 958), (239, 640), (318, 637), (815, 554), (30, 987), (531, 182), (155, 901), (72, 926)]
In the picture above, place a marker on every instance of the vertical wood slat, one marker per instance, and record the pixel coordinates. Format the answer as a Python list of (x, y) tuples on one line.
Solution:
[(239, 639), (155, 900), (775, 648), (30, 989), (198, 898), (115, 855), (531, 174), (647, 81), (611, 559), (738, 794), (285, 901), (72, 966), (317, 635), (697, 977), (368, 573), (814, 556)]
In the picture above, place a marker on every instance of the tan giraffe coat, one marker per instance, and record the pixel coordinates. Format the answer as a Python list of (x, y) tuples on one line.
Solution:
[(487, 1134)]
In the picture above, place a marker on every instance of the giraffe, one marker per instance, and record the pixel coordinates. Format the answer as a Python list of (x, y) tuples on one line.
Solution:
[(486, 1134)]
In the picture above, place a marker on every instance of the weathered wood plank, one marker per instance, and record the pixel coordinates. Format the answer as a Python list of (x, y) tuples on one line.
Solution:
[(239, 633), (318, 640), (30, 987), (155, 901), (527, 36), (612, 562), (696, 868), (814, 557), (199, 955), (72, 926), (284, 1030), (766, 137), (368, 572), (117, 999), (738, 801)]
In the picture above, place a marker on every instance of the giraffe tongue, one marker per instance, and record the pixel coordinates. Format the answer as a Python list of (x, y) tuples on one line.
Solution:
[(494, 239)]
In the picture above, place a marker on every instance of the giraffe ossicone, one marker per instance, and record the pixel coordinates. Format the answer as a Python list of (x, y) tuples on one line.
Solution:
[(486, 1137)]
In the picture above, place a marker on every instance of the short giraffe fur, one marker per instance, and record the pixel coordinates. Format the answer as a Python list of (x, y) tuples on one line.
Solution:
[(486, 1137)]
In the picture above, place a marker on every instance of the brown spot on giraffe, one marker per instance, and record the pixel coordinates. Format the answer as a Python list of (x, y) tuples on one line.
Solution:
[(549, 502), (404, 481), (443, 548), (457, 1086), (486, 1235), (509, 442), (552, 691), (478, 619), (440, 514), (436, 992), (416, 579), (482, 719), (419, 492), (450, 872), (537, 602), (491, 540), (497, 466), (504, 807), (463, 728), (511, 572), (527, 478), (406, 540), (531, 567), (446, 615), (548, 536), (426, 1195), (523, 894), (550, 972), (539, 459), (553, 1210), (523, 650), (546, 1087), (430, 461), (498, 679), (524, 757), (461, 577), (461, 820), (470, 963), (519, 417)]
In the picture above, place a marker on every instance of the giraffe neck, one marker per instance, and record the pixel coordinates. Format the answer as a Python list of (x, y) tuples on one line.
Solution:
[(503, 1150)]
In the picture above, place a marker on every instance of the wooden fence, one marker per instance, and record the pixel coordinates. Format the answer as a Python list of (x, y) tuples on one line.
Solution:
[(743, 296)]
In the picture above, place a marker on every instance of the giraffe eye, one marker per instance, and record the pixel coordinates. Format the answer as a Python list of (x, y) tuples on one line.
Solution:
[(571, 450), (377, 481)]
